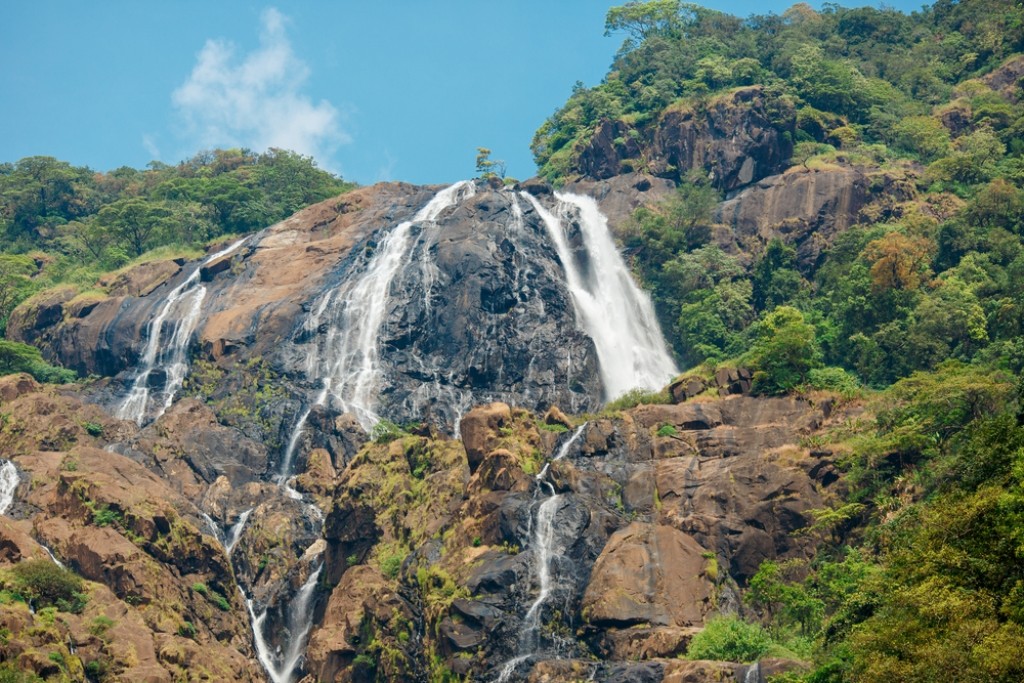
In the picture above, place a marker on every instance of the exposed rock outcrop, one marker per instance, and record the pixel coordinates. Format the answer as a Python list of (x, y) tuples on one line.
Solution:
[(161, 596), (736, 138), (480, 311), (663, 513)]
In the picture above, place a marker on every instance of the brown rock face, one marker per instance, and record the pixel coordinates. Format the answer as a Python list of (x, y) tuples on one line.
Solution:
[(648, 573), (135, 539), (1007, 78), (141, 279), (362, 600), (803, 208), (737, 139), (479, 430)]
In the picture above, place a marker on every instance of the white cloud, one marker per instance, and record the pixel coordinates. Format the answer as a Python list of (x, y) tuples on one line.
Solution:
[(255, 100), (149, 143)]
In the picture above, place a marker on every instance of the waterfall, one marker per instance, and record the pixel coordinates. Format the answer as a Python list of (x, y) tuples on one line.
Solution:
[(213, 526), (543, 546), (9, 481), (347, 359), (610, 308), (281, 669), (183, 305), (235, 532)]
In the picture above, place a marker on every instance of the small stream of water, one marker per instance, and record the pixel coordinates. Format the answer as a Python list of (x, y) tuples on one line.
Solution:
[(182, 306), (543, 546)]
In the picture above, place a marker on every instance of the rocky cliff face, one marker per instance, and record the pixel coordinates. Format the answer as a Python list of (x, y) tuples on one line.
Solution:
[(659, 515), (215, 534), (478, 311), (736, 139)]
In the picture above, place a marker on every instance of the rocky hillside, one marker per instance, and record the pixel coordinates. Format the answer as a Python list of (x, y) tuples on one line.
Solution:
[(436, 433), (429, 549)]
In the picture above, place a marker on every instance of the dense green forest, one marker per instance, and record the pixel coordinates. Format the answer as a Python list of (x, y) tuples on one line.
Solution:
[(916, 311)]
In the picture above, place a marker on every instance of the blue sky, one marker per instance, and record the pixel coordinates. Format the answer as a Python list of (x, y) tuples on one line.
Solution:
[(381, 90)]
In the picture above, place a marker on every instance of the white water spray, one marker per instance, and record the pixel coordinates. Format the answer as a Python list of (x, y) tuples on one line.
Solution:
[(183, 305), (235, 532), (281, 668), (347, 359), (610, 308), (9, 481)]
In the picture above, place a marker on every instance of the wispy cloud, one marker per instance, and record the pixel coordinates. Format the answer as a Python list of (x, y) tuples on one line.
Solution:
[(255, 100), (149, 143)]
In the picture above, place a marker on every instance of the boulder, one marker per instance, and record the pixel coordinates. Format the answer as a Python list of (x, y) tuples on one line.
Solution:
[(648, 574), (479, 430)]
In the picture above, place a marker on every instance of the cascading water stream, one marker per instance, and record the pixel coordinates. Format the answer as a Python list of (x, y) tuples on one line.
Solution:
[(281, 668), (235, 532), (9, 481), (542, 544), (183, 304), (347, 360), (610, 308)]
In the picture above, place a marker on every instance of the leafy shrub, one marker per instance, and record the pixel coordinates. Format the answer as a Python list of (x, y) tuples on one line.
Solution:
[(636, 397), (784, 351), (386, 431), (49, 585), (17, 357), (391, 564), (105, 516), (9, 674), (220, 601), (213, 596), (93, 428), (100, 625), (833, 379), (730, 639), (667, 430)]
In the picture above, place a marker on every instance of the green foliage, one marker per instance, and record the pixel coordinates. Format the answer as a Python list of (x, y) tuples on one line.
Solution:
[(636, 397), (10, 674), (88, 222), (220, 601), (834, 379), (555, 428), (48, 585), (876, 68), (103, 515), (93, 428), (100, 625), (730, 639), (391, 563), (783, 352), (187, 629), (213, 596), (386, 431), (667, 430), (16, 273), (18, 357), (487, 167)]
